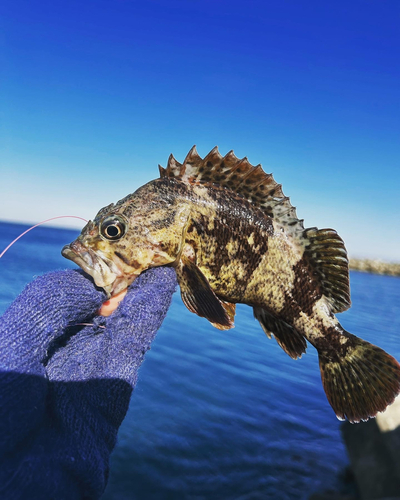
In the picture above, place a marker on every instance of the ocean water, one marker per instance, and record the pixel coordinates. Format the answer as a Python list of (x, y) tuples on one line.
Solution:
[(221, 415)]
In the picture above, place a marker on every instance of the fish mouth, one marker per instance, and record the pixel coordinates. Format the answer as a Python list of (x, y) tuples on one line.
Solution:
[(104, 271)]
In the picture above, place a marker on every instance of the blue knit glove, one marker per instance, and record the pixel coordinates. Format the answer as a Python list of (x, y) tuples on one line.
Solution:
[(65, 386)]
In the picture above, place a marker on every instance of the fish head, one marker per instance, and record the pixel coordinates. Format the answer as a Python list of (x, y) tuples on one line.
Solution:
[(125, 239)]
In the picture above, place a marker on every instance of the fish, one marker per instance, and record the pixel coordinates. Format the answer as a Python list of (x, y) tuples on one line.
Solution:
[(232, 236)]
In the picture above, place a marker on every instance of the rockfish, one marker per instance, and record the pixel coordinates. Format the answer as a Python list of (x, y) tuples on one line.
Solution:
[(232, 236)]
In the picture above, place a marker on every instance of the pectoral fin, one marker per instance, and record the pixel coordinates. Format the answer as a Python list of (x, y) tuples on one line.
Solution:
[(199, 298)]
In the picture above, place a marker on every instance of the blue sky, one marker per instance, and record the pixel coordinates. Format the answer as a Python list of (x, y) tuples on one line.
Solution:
[(94, 94)]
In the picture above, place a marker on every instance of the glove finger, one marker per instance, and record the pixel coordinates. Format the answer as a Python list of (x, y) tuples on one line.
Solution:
[(146, 303), (42, 312), (133, 326)]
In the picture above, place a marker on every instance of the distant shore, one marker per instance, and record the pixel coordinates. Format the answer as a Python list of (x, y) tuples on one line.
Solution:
[(375, 266)]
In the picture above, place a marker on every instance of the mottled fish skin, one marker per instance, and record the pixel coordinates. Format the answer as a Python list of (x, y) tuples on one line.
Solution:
[(233, 237)]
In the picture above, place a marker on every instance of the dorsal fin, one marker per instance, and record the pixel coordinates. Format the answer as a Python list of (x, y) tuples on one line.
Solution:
[(327, 254), (249, 181), (324, 248)]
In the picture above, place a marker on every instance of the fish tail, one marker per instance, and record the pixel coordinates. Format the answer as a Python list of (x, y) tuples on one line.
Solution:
[(359, 378)]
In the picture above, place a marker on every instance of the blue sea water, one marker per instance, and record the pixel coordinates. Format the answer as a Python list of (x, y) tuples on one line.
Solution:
[(221, 415)]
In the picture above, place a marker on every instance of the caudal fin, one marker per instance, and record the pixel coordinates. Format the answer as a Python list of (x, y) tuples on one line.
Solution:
[(359, 379)]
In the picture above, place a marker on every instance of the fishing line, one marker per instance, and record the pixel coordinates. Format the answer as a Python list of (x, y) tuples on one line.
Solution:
[(39, 224)]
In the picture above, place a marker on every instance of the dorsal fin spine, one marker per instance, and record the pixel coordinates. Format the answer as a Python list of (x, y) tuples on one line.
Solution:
[(192, 156), (230, 156), (209, 156)]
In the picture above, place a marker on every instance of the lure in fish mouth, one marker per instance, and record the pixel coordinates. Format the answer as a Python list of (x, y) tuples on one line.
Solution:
[(234, 237)]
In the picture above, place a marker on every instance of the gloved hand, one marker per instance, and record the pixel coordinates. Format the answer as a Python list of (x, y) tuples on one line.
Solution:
[(66, 377)]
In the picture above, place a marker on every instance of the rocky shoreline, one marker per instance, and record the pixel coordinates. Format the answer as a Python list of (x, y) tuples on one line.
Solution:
[(375, 266)]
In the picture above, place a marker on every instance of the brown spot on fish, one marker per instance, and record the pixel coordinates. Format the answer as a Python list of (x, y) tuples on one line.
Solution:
[(304, 292), (122, 257)]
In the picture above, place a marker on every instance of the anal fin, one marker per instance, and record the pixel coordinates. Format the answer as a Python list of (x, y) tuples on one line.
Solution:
[(291, 341), (200, 299)]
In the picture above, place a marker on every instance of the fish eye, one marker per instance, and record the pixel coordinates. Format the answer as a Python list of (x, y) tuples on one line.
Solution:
[(113, 227)]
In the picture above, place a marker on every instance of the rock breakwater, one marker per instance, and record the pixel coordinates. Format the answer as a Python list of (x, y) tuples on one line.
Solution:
[(375, 266)]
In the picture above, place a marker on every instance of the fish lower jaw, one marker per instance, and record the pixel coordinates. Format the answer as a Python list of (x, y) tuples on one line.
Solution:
[(104, 272), (120, 283)]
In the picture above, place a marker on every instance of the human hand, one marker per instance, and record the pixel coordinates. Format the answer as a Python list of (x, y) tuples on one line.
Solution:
[(66, 378)]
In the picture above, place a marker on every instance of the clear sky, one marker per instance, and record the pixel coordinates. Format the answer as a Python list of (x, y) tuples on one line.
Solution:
[(94, 94)]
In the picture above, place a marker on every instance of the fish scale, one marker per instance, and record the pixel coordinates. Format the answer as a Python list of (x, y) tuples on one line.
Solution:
[(233, 237)]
